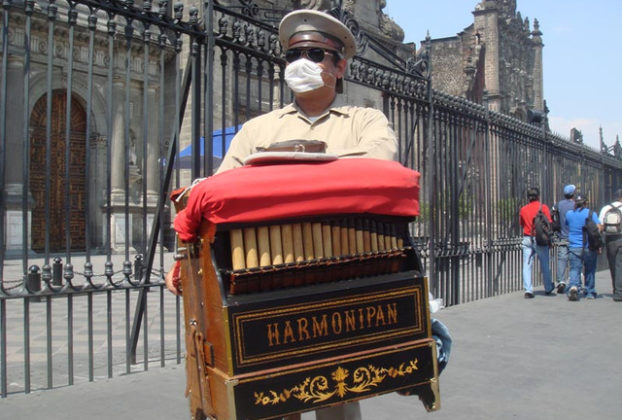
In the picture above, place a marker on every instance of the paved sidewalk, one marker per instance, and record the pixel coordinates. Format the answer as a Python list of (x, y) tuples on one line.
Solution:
[(544, 358)]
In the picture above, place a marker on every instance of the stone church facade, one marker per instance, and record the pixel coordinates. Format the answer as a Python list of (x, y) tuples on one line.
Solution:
[(501, 53), (114, 128)]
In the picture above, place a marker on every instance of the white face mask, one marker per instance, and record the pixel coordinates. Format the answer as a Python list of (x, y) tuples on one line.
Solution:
[(303, 75)]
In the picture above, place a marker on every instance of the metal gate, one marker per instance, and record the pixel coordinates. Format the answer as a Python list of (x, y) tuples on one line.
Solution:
[(138, 98)]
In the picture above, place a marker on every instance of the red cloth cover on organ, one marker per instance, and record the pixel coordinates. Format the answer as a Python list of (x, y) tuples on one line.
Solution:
[(292, 190)]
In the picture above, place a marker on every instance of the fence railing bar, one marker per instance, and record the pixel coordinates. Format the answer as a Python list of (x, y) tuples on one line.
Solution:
[(146, 35), (146, 333), (3, 364), (92, 24), (128, 347), (208, 161), (162, 329), (129, 31), (48, 127), (195, 110), (73, 15), (89, 315), (3, 141), (109, 331), (431, 180), (70, 339), (160, 214), (178, 328), (28, 10), (27, 345), (50, 360), (109, 127)]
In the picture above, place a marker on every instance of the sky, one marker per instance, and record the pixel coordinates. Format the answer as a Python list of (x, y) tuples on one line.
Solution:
[(582, 55)]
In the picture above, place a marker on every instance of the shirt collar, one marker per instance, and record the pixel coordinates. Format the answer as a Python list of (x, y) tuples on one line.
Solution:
[(293, 108)]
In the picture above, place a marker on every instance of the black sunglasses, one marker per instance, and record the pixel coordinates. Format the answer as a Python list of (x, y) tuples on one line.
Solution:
[(314, 54)]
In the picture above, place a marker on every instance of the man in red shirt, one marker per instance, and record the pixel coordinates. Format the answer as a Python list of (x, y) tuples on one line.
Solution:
[(530, 247)]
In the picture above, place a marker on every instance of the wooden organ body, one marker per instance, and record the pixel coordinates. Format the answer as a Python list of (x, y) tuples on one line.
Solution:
[(293, 314)]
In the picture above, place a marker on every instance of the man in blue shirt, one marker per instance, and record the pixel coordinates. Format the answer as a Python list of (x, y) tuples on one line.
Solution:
[(579, 254), (562, 246)]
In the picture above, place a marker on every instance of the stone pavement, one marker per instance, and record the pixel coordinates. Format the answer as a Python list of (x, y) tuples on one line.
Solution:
[(512, 358)]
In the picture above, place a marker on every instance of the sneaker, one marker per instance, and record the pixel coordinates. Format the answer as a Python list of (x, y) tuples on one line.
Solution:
[(528, 295), (550, 292), (590, 296), (561, 287), (573, 294)]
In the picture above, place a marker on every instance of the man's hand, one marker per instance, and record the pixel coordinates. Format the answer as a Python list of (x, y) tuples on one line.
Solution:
[(172, 279)]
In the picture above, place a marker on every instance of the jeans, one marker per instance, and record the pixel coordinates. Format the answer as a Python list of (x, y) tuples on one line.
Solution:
[(530, 250), (443, 339), (583, 259), (562, 262), (614, 257)]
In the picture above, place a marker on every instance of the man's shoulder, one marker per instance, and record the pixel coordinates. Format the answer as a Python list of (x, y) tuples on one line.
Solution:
[(607, 207), (565, 202), (573, 215), (612, 205), (527, 207), (275, 113), (357, 110), (593, 214), (588, 213)]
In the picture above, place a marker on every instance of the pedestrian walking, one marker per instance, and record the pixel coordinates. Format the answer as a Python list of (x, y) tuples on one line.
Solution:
[(562, 207), (530, 245), (581, 255), (611, 217)]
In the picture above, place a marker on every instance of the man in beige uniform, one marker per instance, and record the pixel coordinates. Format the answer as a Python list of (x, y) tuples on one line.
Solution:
[(316, 114), (317, 49)]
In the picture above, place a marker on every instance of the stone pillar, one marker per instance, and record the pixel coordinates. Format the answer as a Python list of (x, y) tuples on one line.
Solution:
[(117, 170), (98, 196), (538, 85), (117, 166), (487, 25), (14, 160), (14, 128), (152, 172)]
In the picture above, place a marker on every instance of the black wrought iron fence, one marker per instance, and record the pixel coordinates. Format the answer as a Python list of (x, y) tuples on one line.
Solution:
[(105, 106), (91, 98)]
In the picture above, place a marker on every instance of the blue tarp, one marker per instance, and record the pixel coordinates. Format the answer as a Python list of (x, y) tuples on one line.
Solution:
[(185, 155)]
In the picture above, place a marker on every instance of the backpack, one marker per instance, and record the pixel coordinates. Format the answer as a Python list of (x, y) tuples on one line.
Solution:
[(542, 231), (591, 231), (612, 220), (556, 224)]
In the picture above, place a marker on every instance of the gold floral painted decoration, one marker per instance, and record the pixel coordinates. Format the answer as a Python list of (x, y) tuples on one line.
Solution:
[(317, 389)]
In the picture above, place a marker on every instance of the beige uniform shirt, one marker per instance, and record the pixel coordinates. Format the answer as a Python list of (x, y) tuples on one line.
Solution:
[(347, 130)]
